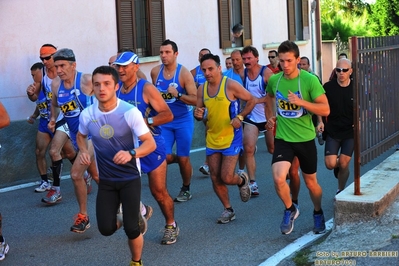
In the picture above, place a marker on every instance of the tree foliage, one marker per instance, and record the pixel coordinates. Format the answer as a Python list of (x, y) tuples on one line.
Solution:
[(345, 17), (384, 17)]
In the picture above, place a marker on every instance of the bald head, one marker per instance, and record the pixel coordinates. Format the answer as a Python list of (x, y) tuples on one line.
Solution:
[(112, 60), (344, 63)]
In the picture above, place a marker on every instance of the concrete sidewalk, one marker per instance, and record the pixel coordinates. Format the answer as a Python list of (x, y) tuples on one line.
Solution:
[(366, 227)]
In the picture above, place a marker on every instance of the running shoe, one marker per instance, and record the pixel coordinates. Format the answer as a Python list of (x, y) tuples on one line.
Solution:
[(87, 177), (52, 197), (142, 221), (148, 212), (226, 217), (183, 196), (44, 186), (4, 248), (119, 216), (136, 263), (204, 169), (82, 223), (254, 188), (245, 191), (319, 224), (287, 225), (170, 235)]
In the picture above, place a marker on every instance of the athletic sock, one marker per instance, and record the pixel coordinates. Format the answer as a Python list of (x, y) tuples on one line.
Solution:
[(57, 169), (185, 188), (44, 177), (318, 212)]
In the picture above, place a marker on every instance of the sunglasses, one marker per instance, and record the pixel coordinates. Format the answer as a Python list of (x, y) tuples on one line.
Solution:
[(339, 70), (46, 58), (271, 57)]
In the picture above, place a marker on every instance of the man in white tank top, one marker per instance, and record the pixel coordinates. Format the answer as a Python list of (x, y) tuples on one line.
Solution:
[(255, 80)]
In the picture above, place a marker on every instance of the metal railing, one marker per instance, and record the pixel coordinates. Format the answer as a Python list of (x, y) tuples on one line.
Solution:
[(375, 63)]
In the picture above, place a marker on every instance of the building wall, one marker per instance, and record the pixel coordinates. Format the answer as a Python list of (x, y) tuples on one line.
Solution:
[(89, 29)]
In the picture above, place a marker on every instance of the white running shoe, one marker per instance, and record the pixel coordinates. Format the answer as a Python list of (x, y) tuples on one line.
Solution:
[(44, 186)]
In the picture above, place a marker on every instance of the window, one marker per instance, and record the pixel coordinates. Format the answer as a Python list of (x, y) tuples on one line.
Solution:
[(298, 20), (140, 25), (231, 13)]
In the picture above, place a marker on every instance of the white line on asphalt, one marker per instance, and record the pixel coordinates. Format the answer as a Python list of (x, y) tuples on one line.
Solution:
[(296, 246), (31, 184)]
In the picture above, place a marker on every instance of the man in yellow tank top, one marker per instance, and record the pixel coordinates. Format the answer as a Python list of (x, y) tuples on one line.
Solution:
[(220, 96)]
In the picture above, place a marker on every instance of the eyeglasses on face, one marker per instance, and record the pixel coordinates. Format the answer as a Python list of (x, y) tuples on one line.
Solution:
[(339, 70), (46, 58), (271, 57)]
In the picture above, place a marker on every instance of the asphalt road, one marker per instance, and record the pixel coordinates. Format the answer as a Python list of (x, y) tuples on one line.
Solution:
[(39, 234)]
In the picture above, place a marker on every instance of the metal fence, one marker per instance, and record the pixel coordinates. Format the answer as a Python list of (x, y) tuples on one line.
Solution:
[(376, 98)]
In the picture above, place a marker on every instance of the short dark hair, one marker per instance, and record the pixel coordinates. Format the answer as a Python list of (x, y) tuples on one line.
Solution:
[(205, 49), (35, 66), (237, 28), (172, 43), (274, 51), (227, 58), (106, 70), (236, 51), (49, 45), (250, 49), (343, 54), (288, 46), (215, 58), (307, 59)]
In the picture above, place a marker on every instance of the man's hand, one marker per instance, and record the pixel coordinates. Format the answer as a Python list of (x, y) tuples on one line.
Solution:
[(199, 113), (294, 99), (122, 157), (270, 124), (51, 126), (85, 158)]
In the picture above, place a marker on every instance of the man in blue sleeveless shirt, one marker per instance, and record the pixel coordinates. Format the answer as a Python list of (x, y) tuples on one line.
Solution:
[(71, 94), (156, 112), (176, 85)]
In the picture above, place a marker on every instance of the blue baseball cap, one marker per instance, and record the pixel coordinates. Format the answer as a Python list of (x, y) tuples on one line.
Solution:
[(126, 58)]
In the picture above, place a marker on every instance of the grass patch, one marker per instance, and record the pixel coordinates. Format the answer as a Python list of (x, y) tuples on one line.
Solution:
[(395, 236), (304, 257)]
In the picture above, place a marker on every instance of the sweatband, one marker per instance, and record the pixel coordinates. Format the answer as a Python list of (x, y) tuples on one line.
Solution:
[(47, 50)]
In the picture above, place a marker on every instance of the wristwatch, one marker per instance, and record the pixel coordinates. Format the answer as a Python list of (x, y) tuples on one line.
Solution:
[(150, 121), (240, 117), (179, 95), (133, 153)]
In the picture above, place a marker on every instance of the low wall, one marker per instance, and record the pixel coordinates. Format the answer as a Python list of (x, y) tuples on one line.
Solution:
[(17, 152)]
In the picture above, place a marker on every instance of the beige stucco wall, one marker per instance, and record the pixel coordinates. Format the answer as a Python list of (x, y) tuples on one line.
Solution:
[(89, 28), (329, 55)]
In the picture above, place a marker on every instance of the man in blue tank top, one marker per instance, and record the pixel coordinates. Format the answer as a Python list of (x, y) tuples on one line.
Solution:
[(197, 73), (71, 94), (116, 128), (176, 85), (156, 112), (57, 139)]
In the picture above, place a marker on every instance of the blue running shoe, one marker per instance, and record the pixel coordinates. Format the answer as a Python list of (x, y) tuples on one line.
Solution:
[(287, 225), (319, 224)]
